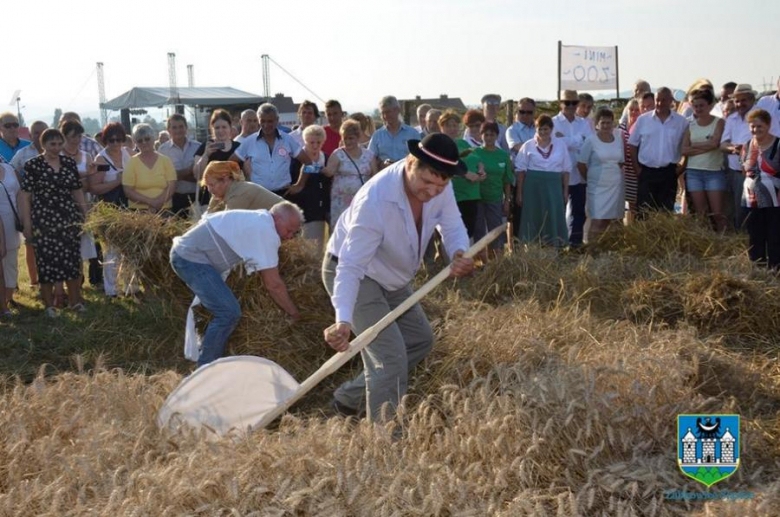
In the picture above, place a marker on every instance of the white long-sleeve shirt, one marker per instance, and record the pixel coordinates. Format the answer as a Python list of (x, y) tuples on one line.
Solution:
[(377, 237), (574, 134)]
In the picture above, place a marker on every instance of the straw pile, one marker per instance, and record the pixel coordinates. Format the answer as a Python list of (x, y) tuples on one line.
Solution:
[(661, 235), (145, 241)]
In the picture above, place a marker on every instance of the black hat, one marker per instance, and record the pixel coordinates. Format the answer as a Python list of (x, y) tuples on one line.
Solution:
[(438, 151)]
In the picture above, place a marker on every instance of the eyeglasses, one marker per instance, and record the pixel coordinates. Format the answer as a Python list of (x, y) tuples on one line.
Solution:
[(10, 125), (144, 139), (570, 103), (525, 112), (115, 140)]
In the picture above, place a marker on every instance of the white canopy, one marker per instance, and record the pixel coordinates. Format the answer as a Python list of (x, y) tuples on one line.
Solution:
[(196, 96)]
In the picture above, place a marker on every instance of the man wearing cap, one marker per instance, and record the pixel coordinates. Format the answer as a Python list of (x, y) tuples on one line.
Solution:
[(656, 144), (736, 134), (490, 104), (573, 130), (771, 104), (371, 260)]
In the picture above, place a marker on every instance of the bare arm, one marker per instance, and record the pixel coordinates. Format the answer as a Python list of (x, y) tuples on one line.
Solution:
[(278, 291), (133, 195), (78, 197), (304, 158), (520, 181), (332, 166), (583, 168)]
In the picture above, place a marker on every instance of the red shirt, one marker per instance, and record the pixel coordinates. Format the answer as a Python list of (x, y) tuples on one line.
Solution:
[(332, 140)]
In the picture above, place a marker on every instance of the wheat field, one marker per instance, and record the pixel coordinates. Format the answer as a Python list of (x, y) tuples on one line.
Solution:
[(553, 389)]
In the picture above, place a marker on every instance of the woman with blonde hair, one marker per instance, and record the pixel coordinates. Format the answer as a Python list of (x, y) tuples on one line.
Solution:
[(350, 167), (229, 191), (686, 106)]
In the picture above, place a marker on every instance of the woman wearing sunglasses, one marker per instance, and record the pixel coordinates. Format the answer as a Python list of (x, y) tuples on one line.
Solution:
[(106, 185), (149, 179)]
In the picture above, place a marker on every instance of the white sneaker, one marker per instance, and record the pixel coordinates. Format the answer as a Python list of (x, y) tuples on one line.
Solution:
[(51, 312)]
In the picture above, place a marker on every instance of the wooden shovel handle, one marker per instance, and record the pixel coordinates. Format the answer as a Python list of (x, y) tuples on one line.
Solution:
[(368, 335)]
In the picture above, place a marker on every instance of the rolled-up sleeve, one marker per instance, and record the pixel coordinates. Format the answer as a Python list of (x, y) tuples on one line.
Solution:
[(355, 254), (451, 227)]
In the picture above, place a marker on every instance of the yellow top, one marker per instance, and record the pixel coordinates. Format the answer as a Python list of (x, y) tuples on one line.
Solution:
[(148, 182)]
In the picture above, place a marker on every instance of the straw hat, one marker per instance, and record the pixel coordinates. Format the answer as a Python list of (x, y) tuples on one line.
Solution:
[(744, 89), (570, 95)]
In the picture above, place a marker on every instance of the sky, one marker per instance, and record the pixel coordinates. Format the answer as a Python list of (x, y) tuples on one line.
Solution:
[(359, 51)]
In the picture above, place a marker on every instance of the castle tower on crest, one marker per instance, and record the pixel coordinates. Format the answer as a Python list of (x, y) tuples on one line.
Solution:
[(689, 447), (727, 447)]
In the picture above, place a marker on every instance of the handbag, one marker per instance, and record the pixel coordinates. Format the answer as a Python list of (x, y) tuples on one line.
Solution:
[(17, 222)]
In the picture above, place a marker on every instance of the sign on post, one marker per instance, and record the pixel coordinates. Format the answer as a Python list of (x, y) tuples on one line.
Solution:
[(587, 68)]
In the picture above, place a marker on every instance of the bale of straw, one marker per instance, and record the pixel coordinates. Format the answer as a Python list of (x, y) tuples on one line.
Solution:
[(144, 240), (654, 301), (662, 234)]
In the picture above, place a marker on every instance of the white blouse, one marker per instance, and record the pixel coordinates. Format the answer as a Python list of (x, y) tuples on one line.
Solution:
[(530, 157)]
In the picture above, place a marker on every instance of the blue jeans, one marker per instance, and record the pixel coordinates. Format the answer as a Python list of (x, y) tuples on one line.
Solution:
[(577, 213), (207, 284), (697, 180)]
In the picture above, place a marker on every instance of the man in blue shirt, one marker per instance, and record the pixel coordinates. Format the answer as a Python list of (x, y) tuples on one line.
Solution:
[(389, 142), (268, 153), (10, 142)]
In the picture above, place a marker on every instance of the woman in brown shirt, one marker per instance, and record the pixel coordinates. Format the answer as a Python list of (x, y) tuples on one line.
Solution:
[(229, 191)]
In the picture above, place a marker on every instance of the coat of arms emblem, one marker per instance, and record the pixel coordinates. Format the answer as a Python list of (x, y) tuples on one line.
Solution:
[(708, 446)]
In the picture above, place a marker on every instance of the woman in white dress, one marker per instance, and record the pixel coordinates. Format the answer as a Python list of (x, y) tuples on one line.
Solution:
[(601, 163), (350, 167), (9, 239)]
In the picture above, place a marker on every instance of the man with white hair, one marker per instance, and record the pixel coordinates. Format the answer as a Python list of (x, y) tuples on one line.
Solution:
[(432, 121), (220, 242), (490, 106), (388, 143), (422, 118), (250, 125), (268, 153)]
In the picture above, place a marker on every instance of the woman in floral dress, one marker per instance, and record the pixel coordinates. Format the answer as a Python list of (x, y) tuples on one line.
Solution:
[(350, 167), (53, 209)]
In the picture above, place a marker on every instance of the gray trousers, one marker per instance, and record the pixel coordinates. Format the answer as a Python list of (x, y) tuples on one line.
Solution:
[(388, 360)]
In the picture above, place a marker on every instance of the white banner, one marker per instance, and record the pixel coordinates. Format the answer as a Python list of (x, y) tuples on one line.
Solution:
[(588, 68)]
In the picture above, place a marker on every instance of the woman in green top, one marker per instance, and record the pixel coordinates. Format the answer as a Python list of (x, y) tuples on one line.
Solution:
[(466, 187), (493, 164)]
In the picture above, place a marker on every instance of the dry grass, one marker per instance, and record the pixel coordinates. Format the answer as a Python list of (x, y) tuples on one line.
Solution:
[(553, 389), (534, 414)]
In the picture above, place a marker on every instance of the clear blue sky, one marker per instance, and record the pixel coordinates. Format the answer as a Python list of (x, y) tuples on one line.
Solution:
[(358, 51)]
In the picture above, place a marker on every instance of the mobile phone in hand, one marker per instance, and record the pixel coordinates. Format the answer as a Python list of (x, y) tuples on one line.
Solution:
[(103, 167)]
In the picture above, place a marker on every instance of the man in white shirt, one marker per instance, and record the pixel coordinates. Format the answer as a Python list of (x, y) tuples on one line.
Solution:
[(726, 91), (656, 143), (771, 104), (736, 134), (268, 154), (250, 125), (422, 114), (217, 244), (181, 150), (574, 131), (372, 257)]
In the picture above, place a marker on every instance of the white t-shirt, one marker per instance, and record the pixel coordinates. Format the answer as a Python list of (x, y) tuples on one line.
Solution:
[(771, 104)]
